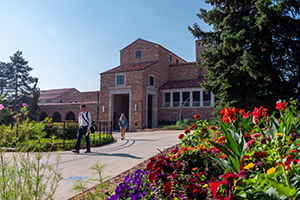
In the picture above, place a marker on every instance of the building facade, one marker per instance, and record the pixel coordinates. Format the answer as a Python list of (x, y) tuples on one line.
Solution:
[(152, 84)]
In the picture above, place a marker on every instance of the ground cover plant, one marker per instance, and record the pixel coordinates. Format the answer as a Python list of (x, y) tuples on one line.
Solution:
[(249, 155)]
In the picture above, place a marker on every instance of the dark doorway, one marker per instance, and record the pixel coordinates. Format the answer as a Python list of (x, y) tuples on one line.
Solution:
[(56, 117), (43, 116), (121, 105), (150, 111), (70, 116)]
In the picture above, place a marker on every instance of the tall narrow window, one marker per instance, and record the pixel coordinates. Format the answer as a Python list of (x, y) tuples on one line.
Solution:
[(167, 100), (196, 98), (138, 54), (186, 98), (151, 80), (206, 99), (170, 58), (177, 61), (120, 80), (176, 99)]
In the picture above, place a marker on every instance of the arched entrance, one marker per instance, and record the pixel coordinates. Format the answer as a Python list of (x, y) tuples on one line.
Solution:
[(43, 116), (70, 116), (56, 117)]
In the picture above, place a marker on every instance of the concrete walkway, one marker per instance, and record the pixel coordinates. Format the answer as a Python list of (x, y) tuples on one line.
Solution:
[(118, 157)]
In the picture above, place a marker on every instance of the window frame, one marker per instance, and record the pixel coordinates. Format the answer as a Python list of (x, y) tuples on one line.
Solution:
[(151, 76), (170, 58), (137, 53), (116, 80)]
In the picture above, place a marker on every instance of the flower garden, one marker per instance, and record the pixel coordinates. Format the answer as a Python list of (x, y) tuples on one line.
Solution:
[(248, 155)]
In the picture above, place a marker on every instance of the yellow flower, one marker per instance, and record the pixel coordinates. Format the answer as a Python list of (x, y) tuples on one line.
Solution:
[(204, 186), (278, 134), (249, 166), (271, 170), (235, 181)]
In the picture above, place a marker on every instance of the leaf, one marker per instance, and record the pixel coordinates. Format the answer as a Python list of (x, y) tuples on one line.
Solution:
[(168, 187), (221, 162), (232, 144), (222, 148), (235, 164), (152, 177), (273, 128), (282, 189)]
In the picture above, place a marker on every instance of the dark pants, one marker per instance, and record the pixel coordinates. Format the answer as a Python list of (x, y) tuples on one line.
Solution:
[(82, 131)]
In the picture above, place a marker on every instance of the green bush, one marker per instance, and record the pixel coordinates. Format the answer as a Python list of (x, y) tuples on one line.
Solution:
[(180, 125)]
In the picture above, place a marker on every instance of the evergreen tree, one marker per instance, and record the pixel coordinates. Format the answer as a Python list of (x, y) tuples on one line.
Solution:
[(3, 78), (255, 54), (19, 80)]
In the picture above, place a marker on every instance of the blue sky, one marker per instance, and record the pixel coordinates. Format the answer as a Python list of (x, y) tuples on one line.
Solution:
[(70, 42)]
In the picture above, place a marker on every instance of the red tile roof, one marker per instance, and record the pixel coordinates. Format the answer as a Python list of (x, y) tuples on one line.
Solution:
[(183, 83), (181, 64), (131, 67), (91, 93)]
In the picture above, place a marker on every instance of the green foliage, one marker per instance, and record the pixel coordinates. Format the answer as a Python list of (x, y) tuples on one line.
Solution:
[(255, 54), (23, 176), (180, 125)]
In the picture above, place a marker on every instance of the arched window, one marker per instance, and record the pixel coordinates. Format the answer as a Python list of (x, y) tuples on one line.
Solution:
[(56, 117), (43, 116), (70, 116)]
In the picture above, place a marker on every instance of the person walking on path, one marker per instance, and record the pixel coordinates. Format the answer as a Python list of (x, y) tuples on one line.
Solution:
[(123, 123), (84, 122)]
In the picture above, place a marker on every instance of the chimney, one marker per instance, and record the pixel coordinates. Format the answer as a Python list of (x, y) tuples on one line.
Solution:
[(201, 46)]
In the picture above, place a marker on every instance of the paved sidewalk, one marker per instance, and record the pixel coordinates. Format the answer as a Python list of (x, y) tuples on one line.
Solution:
[(118, 157)]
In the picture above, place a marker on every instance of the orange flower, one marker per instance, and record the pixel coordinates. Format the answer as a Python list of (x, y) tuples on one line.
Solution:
[(187, 131), (195, 168), (180, 136), (174, 156), (193, 126), (212, 128), (221, 139), (197, 116)]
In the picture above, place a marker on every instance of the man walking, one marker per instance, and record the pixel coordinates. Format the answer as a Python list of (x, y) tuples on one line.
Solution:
[(84, 122)]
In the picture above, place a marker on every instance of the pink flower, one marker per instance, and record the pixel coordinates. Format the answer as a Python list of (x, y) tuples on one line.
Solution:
[(1, 107), (250, 143), (16, 117), (255, 135), (24, 104)]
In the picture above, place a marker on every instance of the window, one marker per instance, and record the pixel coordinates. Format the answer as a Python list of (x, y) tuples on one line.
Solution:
[(206, 99), (60, 101), (75, 101), (186, 98), (138, 54), (70, 101), (120, 80), (176, 99), (196, 98), (167, 100), (177, 61), (170, 58), (151, 80)]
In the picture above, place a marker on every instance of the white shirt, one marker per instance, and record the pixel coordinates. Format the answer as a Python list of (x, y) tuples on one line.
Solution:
[(82, 122)]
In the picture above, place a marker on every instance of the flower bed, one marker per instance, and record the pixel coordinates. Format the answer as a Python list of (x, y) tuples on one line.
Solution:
[(247, 156)]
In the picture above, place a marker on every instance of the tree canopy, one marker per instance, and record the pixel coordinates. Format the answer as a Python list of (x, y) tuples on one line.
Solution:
[(255, 54)]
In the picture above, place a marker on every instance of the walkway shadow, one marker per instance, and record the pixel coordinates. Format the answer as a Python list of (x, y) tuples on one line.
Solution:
[(116, 154)]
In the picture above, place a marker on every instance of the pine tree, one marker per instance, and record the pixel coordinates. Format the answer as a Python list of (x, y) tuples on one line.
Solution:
[(3, 78), (255, 54), (19, 80)]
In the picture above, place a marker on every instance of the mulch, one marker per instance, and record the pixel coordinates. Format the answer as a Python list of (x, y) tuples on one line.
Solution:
[(114, 181)]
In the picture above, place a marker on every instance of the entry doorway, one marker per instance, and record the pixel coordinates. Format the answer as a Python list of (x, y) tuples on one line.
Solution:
[(121, 105)]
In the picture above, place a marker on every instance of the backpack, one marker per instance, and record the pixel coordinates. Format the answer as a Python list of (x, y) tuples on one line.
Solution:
[(93, 127)]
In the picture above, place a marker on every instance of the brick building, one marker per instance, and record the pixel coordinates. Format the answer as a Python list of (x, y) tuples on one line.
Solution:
[(63, 104), (152, 84)]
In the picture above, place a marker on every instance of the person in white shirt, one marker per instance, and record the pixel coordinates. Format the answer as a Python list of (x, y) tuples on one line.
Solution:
[(84, 122)]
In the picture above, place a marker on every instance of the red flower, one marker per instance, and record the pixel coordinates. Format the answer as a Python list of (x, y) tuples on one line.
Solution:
[(294, 151), (281, 106), (193, 126), (197, 116), (212, 128), (168, 187), (186, 131), (228, 114), (180, 136), (174, 150)]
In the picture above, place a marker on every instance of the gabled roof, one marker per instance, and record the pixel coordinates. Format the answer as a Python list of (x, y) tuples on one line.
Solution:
[(53, 93), (91, 93), (131, 67), (183, 83)]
